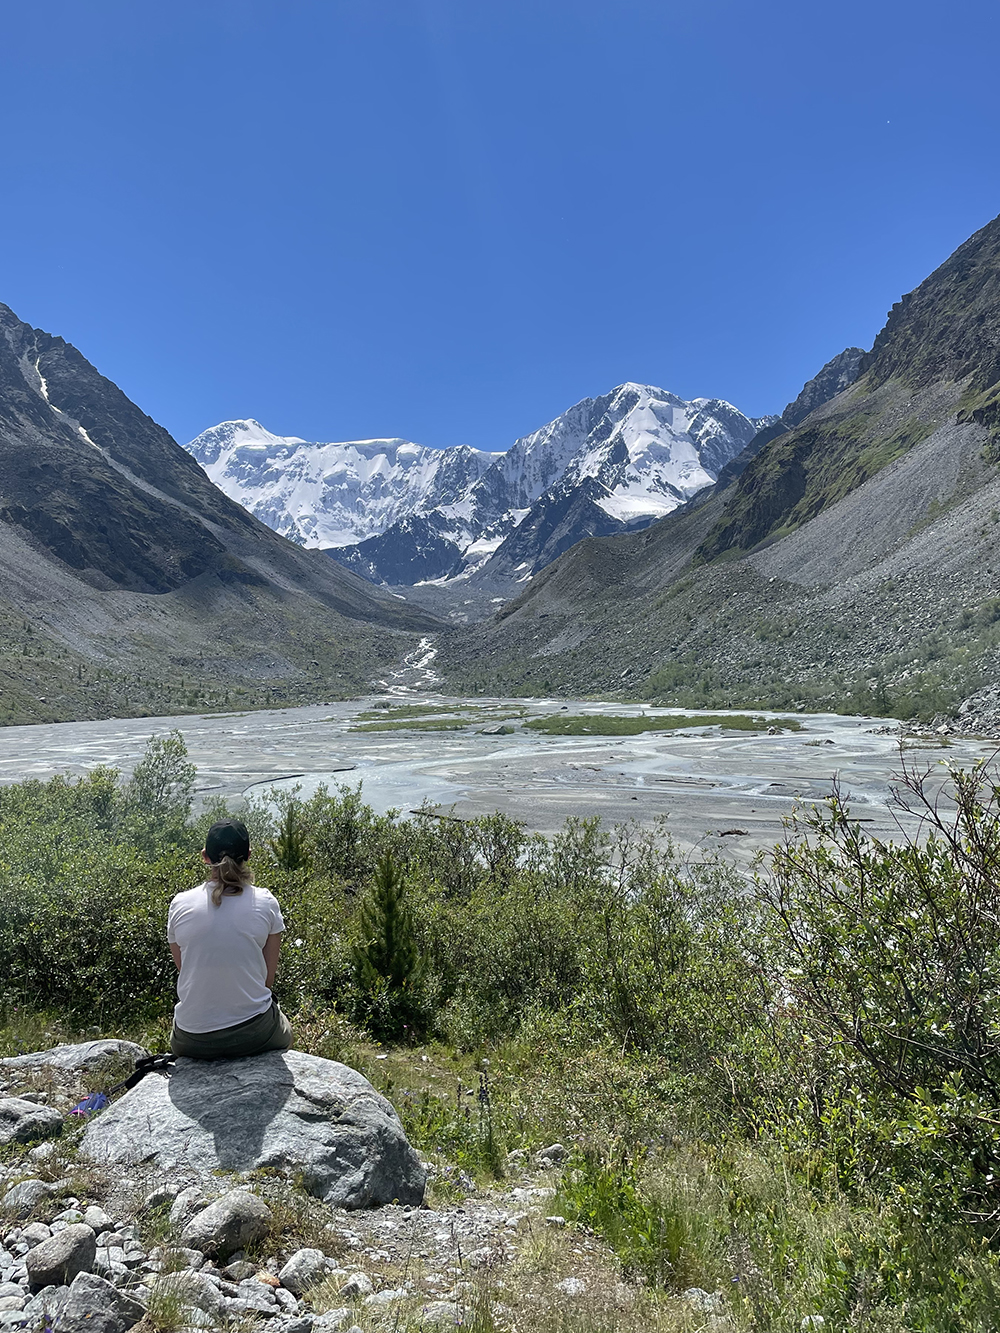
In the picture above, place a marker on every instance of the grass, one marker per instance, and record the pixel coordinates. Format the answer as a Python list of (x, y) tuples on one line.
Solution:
[(558, 724), (406, 710), (426, 724), (453, 722)]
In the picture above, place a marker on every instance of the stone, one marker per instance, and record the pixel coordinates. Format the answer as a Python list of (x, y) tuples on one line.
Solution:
[(706, 1302), (297, 1324), (93, 1305), (195, 1290), (255, 1296), (286, 1300), (161, 1195), (554, 1155), (388, 1297), (572, 1286), (239, 1271), (97, 1219), (305, 1269), (17, 1302), (59, 1259), (186, 1203), (235, 1220), (24, 1198), (358, 1284), (174, 1257), (69, 1058), (333, 1320), (46, 1305), (35, 1232), (43, 1151), (443, 1314), (21, 1120), (315, 1119)]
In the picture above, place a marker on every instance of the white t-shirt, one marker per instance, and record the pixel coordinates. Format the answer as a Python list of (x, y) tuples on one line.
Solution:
[(223, 976)]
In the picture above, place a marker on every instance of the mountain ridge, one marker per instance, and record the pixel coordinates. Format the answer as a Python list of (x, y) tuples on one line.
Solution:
[(850, 561), (121, 562), (637, 452)]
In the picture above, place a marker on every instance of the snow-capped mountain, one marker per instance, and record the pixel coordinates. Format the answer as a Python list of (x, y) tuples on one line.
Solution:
[(401, 513), (334, 494)]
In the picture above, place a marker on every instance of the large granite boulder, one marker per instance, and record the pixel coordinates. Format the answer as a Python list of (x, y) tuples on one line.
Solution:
[(67, 1059), (315, 1119)]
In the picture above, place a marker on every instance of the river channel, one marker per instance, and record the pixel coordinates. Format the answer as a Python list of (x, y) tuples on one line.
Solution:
[(721, 790)]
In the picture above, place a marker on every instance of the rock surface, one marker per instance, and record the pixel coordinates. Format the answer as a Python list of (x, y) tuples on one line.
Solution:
[(94, 1305), (235, 1220), (25, 1197), (304, 1269), (69, 1058), (58, 1260), (21, 1121), (286, 1110)]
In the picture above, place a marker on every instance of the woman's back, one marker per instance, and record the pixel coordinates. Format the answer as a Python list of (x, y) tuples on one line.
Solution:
[(223, 980)]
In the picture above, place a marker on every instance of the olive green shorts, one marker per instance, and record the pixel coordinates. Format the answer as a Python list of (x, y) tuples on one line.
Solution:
[(269, 1031)]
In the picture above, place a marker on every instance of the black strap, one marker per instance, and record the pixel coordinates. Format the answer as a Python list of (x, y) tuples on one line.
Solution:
[(149, 1064)]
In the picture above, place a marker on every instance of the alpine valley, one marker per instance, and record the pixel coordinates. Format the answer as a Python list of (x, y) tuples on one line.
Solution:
[(844, 555)]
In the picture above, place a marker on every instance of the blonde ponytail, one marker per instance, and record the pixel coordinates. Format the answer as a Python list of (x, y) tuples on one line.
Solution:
[(229, 876)]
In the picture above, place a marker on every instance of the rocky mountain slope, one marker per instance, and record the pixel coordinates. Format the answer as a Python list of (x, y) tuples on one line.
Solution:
[(852, 561), (401, 514), (131, 584)]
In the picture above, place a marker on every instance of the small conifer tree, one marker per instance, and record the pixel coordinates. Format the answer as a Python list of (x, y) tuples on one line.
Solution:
[(290, 844), (388, 969)]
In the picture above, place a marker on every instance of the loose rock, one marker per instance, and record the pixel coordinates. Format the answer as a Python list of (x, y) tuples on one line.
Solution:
[(22, 1120), (59, 1259), (305, 1269), (186, 1204), (83, 1055), (444, 1314), (24, 1198), (93, 1305), (235, 1220), (195, 1290)]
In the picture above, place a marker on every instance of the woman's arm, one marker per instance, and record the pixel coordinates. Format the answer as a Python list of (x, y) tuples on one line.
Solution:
[(271, 947), (175, 953)]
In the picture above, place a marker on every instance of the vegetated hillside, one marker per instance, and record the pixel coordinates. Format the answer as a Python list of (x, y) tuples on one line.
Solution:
[(852, 563), (132, 585)]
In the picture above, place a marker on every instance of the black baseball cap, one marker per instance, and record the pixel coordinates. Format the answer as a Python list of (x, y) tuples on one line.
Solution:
[(227, 838)]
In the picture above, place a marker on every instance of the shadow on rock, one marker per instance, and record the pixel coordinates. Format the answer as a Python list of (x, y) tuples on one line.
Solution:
[(234, 1109)]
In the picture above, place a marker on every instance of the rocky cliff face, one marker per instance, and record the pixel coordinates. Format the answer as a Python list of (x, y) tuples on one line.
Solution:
[(121, 560)]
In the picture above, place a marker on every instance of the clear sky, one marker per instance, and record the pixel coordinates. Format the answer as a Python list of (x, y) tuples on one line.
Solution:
[(451, 219)]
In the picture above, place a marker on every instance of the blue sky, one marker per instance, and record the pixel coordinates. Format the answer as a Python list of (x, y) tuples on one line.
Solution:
[(450, 219)]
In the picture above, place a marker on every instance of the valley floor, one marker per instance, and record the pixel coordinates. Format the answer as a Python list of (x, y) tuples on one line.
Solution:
[(719, 789)]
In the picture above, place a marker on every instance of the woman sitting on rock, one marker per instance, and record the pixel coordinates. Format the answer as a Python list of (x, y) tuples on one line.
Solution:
[(225, 936)]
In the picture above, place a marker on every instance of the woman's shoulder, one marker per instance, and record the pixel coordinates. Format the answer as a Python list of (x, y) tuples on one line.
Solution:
[(187, 896), (263, 895)]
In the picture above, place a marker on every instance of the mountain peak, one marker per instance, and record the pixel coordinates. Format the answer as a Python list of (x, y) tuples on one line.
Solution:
[(633, 453)]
